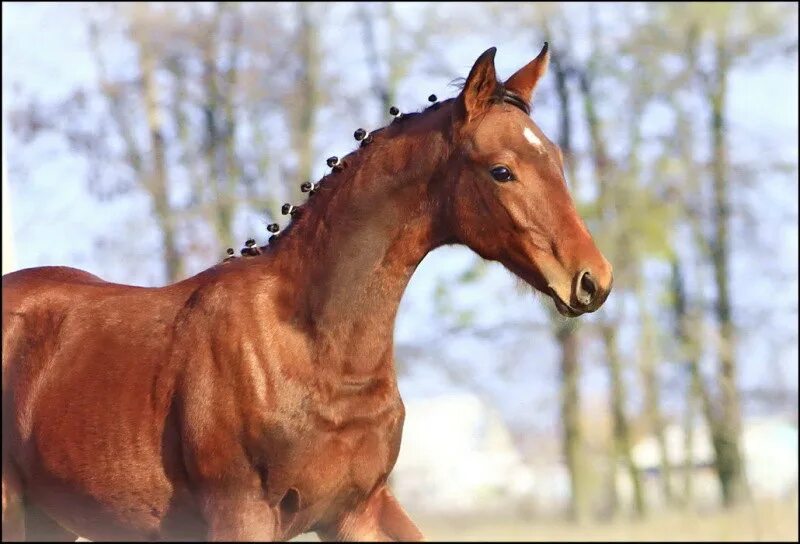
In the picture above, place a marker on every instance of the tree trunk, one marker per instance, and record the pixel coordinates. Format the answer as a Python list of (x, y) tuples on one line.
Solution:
[(652, 403), (308, 93), (649, 353), (622, 259), (179, 105), (570, 421), (685, 353), (621, 433), (221, 206), (157, 181), (380, 85), (567, 331), (648, 369), (397, 65), (232, 164), (726, 440), (688, 447)]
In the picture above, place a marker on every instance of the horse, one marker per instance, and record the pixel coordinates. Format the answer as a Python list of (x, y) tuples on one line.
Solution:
[(258, 399)]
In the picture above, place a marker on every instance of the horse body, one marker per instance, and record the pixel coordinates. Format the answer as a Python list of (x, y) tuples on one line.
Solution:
[(258, 399), (173, 411), (59, 362)]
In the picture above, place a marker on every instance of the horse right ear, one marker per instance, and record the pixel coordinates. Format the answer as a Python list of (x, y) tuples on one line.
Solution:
[(481, 85)]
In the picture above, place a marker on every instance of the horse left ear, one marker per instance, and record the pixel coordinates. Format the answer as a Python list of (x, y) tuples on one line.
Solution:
[(524, 81), (479, 88)]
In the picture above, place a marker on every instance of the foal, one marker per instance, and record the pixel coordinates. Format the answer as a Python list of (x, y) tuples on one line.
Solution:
[(258, 399)]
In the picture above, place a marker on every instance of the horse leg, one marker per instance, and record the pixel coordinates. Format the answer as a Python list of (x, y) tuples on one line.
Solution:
[(13, 507), (379, 518), (242, 518)]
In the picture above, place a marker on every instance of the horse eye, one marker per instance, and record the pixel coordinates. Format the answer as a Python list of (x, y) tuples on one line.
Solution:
[(501, 173)]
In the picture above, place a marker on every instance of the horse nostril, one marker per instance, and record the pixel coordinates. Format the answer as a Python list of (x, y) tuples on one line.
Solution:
[(587, 288)]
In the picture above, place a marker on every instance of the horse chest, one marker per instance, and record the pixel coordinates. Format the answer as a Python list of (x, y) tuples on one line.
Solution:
[(332, 464)]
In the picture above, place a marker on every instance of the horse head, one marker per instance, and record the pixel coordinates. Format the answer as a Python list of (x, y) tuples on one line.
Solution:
[(509, 199)]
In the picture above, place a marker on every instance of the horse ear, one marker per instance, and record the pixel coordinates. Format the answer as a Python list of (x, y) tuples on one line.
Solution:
[(524, 81), (480, 86)]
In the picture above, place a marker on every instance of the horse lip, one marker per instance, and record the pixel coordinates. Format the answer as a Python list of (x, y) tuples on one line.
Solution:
[(562, 307)]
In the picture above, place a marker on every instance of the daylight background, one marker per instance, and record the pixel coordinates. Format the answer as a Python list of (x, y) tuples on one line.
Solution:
[(142, 140)]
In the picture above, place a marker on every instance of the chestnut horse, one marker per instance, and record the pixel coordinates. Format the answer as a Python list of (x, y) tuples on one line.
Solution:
[(258, 399)]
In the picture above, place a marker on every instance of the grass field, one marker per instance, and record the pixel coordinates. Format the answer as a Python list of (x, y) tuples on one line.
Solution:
[(767, 521)]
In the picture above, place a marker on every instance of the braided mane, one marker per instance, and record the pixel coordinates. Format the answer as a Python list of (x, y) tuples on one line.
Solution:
[(328, 185)]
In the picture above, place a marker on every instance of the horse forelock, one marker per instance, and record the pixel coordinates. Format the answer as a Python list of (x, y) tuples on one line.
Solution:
[(501, 94)]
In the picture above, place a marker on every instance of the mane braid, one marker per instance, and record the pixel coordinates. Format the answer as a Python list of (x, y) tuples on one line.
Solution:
[(329, 184)]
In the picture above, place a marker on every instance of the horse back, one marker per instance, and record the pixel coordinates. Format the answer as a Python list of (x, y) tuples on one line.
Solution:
[(24, 291), (35, 302)]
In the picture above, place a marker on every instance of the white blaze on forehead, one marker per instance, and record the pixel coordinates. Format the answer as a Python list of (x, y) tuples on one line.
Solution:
[(531, 137)]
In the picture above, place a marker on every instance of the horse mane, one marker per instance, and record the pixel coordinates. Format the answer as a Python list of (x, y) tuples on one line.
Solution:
[(330, 184)]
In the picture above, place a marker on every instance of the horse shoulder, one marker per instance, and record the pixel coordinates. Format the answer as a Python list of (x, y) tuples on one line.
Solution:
[(224, 388)]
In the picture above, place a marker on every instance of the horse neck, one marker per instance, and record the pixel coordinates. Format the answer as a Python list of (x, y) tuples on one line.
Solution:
[(346, 263)]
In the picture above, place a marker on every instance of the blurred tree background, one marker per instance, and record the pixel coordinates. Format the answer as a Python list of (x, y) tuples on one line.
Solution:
[(188, 124)]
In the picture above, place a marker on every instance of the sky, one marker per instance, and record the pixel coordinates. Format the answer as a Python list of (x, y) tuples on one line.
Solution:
[(56, 222)]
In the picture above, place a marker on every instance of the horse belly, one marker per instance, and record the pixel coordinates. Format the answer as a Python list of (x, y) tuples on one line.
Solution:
[(97, 490), (121, 513)]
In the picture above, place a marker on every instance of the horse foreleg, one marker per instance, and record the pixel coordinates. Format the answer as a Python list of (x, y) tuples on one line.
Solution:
[(379, 518), (239, 519)]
